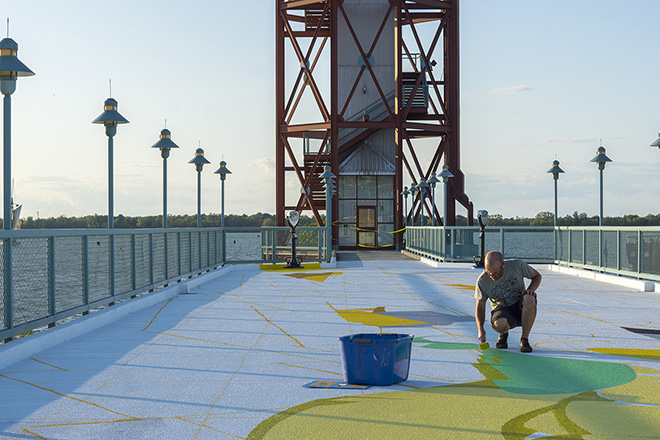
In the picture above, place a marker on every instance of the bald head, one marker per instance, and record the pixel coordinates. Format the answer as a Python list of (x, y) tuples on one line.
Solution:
[(494, 264)]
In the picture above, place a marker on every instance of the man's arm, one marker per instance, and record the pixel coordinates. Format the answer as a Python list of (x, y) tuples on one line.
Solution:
[(480, 317), (536, 282)]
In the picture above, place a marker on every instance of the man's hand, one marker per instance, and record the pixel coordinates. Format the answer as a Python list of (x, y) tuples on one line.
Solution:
[(482, 335)]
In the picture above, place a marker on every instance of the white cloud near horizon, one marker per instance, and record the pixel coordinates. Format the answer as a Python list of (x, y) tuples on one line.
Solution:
[(511, 90)]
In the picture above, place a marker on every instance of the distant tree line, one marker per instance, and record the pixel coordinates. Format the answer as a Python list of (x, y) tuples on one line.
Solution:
[(156, 221), (544, 218)]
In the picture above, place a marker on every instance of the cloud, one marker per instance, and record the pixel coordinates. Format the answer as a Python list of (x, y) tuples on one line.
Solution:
[(512, 90), (267, 164)]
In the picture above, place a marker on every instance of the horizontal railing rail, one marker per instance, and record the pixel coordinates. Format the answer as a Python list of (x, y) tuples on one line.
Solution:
[(619, 250), (462, 243), (624, 250), (50, 275)]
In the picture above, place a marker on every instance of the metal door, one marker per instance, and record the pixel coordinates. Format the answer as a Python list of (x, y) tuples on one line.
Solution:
[(366, 223)]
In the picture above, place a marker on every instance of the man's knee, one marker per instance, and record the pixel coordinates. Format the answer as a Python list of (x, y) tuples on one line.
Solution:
[(529, 302), (501, 325)]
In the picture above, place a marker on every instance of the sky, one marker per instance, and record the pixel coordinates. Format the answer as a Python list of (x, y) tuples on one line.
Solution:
[(539, 81)]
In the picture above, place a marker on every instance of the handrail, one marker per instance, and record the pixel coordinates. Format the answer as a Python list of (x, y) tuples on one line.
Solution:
[(50, 274)]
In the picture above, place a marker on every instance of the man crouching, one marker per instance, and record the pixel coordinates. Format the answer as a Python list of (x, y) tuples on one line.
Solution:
[(513, 305)]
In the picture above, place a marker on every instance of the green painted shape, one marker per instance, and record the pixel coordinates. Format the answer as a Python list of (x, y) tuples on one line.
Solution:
[(549, 375), (533, 374), (445, 345)]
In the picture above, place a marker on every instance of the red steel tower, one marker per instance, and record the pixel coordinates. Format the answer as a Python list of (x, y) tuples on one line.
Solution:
[(371, 88)]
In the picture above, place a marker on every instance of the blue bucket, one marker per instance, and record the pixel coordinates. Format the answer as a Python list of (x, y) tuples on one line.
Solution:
[(375, 359)]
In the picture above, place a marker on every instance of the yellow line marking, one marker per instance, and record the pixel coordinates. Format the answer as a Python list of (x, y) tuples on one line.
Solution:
[(581, 316), (32, 433), (46, 363), (99, 422), (203, 425), (160, 310), (280, 328), (307, 368), (64, 395)]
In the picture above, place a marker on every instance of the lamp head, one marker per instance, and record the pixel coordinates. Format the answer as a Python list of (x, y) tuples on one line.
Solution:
[(405, 193), (165, 143), (327, 174), (110, 117), (656, 143), (10, 66), (413, 189), (199, 160), (601, 159), (445, 174), (555, 170), (433, 180), (223, 171)]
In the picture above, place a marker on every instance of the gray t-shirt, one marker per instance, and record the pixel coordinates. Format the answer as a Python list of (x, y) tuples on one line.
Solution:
[(508, 289)]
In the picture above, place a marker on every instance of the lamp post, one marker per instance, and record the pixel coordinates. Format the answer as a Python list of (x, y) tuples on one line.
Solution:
[(165, 144), (328, 178), (405, 193), (413, 193), (223, 171), (199, 160), (432, 181), (446, 175), (10, 69), (110, 118), (423, 187), (601, 159), (555, 170)]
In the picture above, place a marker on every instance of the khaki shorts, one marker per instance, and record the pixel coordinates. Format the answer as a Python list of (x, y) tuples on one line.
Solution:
[(513, 313)]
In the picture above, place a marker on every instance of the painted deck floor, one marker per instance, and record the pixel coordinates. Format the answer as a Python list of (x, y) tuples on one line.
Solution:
[(230, 359)]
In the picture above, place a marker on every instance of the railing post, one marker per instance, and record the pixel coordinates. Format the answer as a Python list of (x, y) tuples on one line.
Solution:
[(600, 249), (151, 258), (618, 250), (133, 265), (85, 268), (584, 247), (112, 265), (570, 246), (502, 241), (166, 251), (51, 279), (178, 247), (453, 241), (190, 240), (639, 251)]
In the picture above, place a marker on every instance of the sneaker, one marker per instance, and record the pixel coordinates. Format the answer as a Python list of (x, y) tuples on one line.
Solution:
[(524, 346), (501, 341)]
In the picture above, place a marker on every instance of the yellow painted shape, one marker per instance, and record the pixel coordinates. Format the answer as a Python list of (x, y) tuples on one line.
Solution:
[(653, 355), (615, 420), (645, 370), (318, 277), (490, 372), (459, 412), (369, 318), (283, 268), (643, 390), (461, 286)]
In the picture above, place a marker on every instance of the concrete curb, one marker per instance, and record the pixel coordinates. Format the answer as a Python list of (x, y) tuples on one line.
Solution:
[(23, 348), (641, 285)]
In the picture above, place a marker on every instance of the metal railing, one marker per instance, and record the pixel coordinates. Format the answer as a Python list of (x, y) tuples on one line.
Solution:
[(50, 275), (628, 251), (461, 243)]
